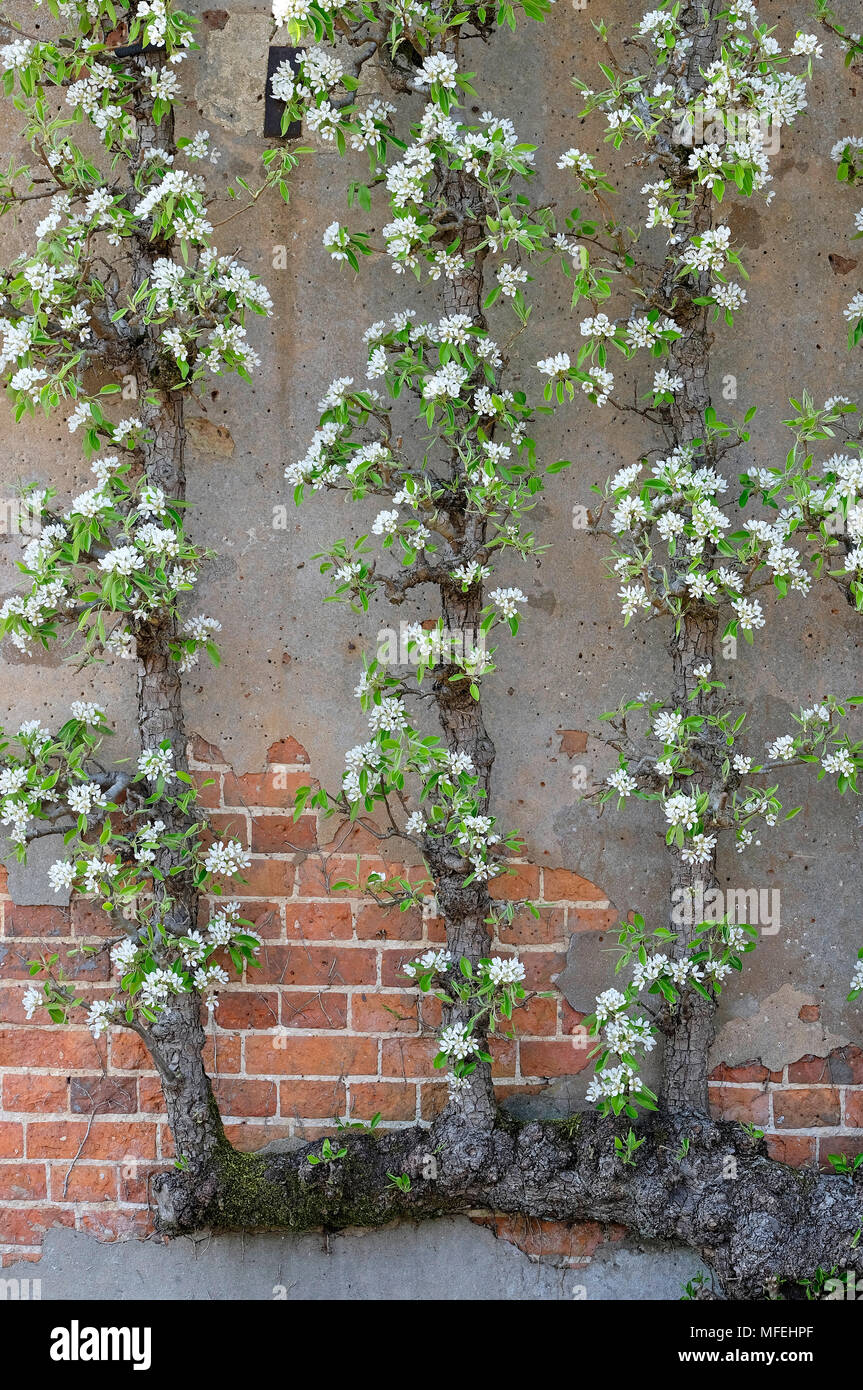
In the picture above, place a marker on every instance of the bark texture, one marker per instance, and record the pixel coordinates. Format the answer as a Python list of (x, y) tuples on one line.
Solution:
[(176, 1039), (761, 1225)]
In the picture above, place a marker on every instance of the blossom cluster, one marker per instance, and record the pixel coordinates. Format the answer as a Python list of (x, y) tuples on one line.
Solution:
[(154, 968), (488, 993), (115, 557), (660, 966), (699, 802)]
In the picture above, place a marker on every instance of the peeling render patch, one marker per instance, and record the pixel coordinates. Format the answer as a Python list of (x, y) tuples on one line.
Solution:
[(208, 439), (450, 1259), (774, 1031)]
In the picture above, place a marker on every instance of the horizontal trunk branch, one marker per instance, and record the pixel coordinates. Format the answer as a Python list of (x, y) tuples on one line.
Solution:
[(757, 1222)]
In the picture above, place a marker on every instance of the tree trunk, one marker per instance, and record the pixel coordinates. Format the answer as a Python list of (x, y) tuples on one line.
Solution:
[(176, 1039), (756, 1222)]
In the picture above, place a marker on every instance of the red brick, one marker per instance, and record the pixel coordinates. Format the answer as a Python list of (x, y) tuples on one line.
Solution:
[(570, 1018), (23, 1182), (200, 751), (745, 1071), (88, 920), (222, 1052), (810, 1013), (389, 924), (315, 1098), (134, 1180), (843, 1067), (151, 1097), (323, 1009), (120, 1139), (129, 1053), (109, 1225), (228, 825), (809, 1068), (37, 921), (847, 1144), (351, 839), (282, 834), (15, 962), (805, 1109), (11, 1139), (392, 1100), (318, 921), (287, 750), (264, 878), (209, 785), (42, 1093), (523, 882), (320, 1056), (541, 967), (73, 1048), (561, 885), (854, 1109), (431, 1013), (242, 1009), (302, 964), (537, 1018), (248, 1138), (107, 1139), (111, 1094), (265, 918), (409, 1057), (242, 1097), (28, 1225), (436, 929), (504, 1090), (547, 1238), (527, 930), (853, 1058), (384, 1013), (739, 1103), (797, 1150), (393, 962), (433, 1097), (598, 919), (11, 1007), (317, 882), (276, 788), (556, 1057), (84, 1182), (415, 1057)]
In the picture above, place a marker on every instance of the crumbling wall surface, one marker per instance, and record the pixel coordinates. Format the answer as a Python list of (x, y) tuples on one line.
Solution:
[(327, 1028)]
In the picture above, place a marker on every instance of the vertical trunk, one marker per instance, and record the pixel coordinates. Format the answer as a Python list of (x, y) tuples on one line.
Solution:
[(160, 701), (689, 1027), (465, 909), (176, 1040), (177, 1036)]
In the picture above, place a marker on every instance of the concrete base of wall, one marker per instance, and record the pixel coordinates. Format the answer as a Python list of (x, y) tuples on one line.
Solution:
[(449, 1259)]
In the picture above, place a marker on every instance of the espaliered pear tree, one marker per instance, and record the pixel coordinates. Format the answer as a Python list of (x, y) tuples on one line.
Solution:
[(124, 279)]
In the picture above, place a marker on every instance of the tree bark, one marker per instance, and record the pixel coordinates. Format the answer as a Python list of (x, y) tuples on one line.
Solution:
[(755, 1221), (689, 1027), (176, 1039)]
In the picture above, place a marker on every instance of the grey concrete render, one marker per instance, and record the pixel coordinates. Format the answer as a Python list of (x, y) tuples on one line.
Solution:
[(451, 1259), (290, 664)]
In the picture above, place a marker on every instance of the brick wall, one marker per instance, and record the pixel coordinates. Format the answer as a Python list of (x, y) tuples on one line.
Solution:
[(325, 1028)]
